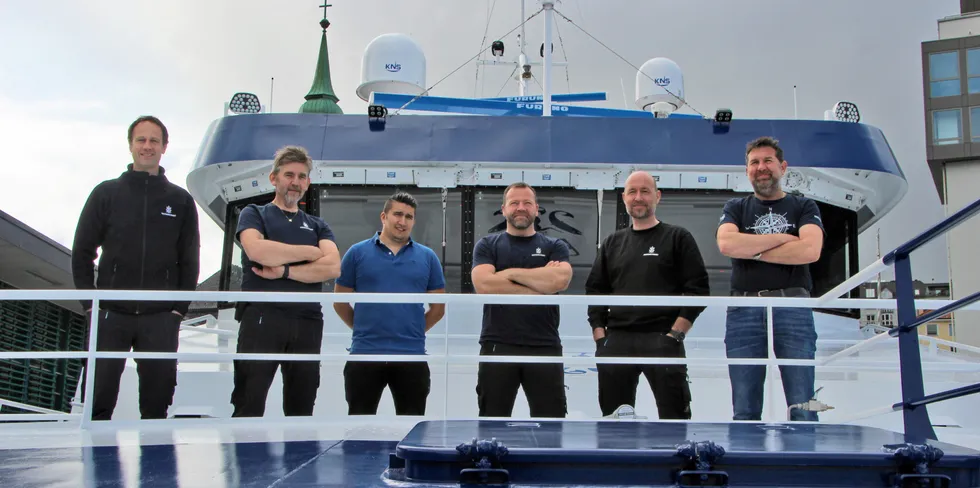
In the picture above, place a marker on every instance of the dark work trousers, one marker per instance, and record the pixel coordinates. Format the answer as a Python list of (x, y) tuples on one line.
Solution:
[(618, 382), (156, 332), (544, 383), (365, 381), (267, 330)]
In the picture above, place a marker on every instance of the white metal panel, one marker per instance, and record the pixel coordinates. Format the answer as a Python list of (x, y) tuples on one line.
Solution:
[(247, 187), (704, 180), (389, 176), (739, 182), (665, 179), (548, 177), (435, 178), (498, 177), (593, 180), (343, 176)]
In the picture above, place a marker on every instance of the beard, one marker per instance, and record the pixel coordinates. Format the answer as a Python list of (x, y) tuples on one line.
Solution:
[(766, 188), (640, 212), (524, 222), (290, 199)]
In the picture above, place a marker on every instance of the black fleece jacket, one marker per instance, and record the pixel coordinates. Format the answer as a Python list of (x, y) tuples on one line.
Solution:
[(148, 230), (662, 260)]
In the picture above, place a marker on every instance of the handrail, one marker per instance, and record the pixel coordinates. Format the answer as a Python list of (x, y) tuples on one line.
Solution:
[(30, 408), (939, 312), (933, 232)]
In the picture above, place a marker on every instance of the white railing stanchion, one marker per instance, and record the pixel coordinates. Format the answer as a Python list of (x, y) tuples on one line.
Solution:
[(445, 406), (854, 281), (93, 336), (855, 348), (770, 413)]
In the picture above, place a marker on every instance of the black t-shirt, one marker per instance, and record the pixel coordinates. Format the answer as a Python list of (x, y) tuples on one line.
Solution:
[(527, 325), (783, 216), (304, 230)]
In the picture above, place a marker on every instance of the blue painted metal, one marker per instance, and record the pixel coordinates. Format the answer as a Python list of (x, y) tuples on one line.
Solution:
[(939, 312), (918, 427), (937, 230), (914, 462), (394, 101), (601, 453), (558, 98), (943, 395), (534, 140), (699, 458), (485, 456)]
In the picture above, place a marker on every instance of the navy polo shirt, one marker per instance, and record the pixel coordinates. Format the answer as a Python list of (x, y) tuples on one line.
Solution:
[(390, 328)]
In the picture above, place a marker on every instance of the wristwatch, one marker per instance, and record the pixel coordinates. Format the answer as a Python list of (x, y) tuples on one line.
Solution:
[(677, 335), (285, 271)]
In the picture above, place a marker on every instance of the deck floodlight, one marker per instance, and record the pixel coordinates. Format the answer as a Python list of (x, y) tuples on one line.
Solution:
[(245, 103), (377, 112), (847, 112), (497, 48), (723, 116)]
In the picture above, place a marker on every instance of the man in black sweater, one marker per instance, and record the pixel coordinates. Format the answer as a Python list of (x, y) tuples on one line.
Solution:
[(147, 228), (649, 258)]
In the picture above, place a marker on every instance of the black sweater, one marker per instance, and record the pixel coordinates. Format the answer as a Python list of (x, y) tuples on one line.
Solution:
[(147, 228), (662, 260)]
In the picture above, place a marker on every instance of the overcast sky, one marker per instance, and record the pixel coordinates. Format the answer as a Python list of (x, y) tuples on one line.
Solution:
[(73, 75)]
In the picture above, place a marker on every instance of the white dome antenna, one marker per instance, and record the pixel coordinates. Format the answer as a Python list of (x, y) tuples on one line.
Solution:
[(392, 63), (660, 87)]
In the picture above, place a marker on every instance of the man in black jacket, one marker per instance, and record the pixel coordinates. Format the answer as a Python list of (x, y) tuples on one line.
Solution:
[(148, 230), (649, 258)]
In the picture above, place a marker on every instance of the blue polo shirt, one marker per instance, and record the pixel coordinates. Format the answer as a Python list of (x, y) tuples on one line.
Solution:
[(390, 328)]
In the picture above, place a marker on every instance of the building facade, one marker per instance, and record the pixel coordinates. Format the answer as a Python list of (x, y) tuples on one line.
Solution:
[(951, 92)]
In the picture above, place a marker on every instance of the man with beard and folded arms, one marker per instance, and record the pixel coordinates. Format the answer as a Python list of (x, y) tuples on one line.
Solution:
[(648, 258), (522, 261), (771, 237), (285, 249)]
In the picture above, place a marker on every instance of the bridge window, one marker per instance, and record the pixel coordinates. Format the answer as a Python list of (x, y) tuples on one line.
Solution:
[(946, 127), (944, 74)]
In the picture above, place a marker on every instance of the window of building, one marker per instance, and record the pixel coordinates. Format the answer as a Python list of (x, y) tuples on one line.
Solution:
[(944, 74), (932, 329), (974, 136), (973, 71), (946, 127)]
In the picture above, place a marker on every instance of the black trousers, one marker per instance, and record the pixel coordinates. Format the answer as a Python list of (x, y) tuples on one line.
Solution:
[(265, 330), (618, 382), (365, 382), (155, 332), (544, 383)]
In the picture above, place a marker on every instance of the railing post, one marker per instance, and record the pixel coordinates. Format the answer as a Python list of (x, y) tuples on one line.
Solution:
[(769, 412), (918, 427), (90, 365), (445, 406)]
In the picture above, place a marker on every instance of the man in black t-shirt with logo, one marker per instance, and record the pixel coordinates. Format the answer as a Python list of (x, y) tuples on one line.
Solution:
[(771, 237), (520, 261), (285, 249)]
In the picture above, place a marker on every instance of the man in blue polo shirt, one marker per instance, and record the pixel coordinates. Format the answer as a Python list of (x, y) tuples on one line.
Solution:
[(389, 262)]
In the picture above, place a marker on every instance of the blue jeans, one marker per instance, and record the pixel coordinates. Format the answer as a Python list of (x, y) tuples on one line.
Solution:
[(795, 338)]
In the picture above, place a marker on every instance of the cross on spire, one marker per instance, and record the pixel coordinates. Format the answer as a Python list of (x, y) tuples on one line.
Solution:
[(325, 23)]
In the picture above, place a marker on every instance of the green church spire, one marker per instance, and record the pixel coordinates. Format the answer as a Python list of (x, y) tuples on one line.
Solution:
[(321, 98)]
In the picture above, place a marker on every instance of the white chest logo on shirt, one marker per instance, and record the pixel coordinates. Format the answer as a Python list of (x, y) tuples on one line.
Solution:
[(537, 252), (651, 252), (771, 223), (168, 212), (306, 227)]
